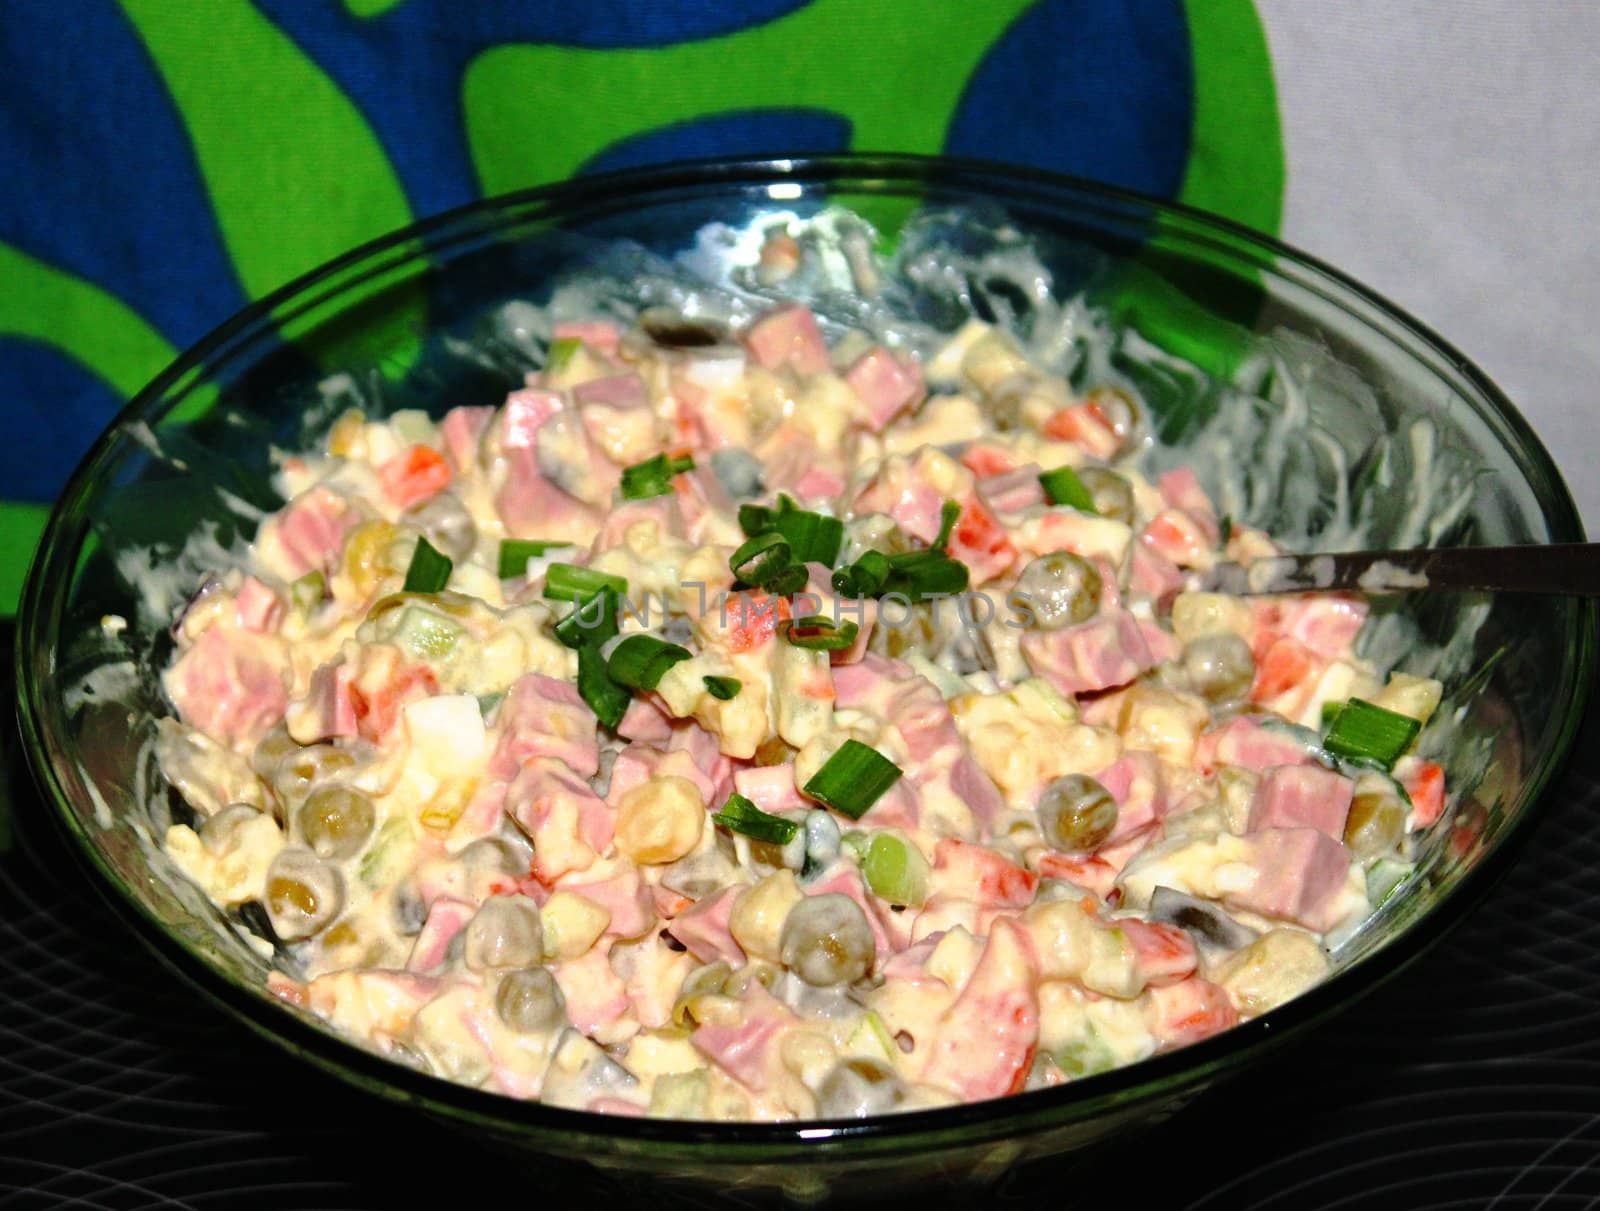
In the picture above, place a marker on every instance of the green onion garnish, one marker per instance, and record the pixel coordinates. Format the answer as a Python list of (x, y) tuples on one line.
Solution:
[(761, 558), (1330, 712), (605, 697), (653, 477), (789, 581), (853, 779), (429, 571), (812, 537), (1225, 529), (739, 815), (864, 578), (515, 553), (818, 634), (1364, 732), (918, 575), (593, 620), (569, 582), (640, 661), (561, 352), (895, 870), (723, 688), (949, 514), (1063, 487)]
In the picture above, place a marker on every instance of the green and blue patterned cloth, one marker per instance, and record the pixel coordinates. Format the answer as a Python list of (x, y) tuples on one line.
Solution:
[(168, 161)]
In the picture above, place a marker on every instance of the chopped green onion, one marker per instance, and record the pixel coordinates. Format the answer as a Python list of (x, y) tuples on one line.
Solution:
[(723, 688), (1063, 487), (1364, 732), (761, 558), (895, 870), (853, 779), (739, 815), (812, 537), (789, 581), (307, 592), (653, 477), (568, 582), (918, 575), (593, 620), (515, 553), (818, 634), (1225, 529), (864, 578), (640, 661), (605, 697), (949, 514), (1330, 712), (429, 571), (561, 352)]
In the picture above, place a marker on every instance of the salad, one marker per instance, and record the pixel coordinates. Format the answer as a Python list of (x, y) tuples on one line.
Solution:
[(736, 725)]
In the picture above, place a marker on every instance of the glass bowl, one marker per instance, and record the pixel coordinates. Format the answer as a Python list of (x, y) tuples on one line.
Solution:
[(1391, 437)]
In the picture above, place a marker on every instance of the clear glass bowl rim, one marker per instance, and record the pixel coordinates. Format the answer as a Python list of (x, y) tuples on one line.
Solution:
[(43, 603)]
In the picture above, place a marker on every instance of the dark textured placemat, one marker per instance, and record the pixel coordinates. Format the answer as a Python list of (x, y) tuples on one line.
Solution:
[(1471, 1080)]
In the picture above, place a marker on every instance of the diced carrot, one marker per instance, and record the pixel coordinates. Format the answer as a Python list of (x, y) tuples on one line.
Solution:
[(1425, 785), (753, 618), (1283, 666), (414, 475), (984, 460)]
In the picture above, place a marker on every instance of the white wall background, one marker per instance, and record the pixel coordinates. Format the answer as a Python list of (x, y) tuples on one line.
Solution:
[(1447, 153)]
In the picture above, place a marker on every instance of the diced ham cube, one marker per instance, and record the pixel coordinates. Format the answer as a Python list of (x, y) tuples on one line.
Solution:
[(414, 475), (980, 874), (818, 484), (1327, 624), (1106, 651), (1176, 536), (887, 385), (1302, 796), (705, 751), (327, 710), (447, 917), (990, 459), (258, 608), (1186, 1012), (545, 717), (973, 786), (984, 1043), (1162, 954), (596, 996), (566, 821), (1135, 782), (601, 335), (1299, 875), (1012, 491), (462, 430), (224, 687), (533, 507), (1152, 573), (308, 533), (613, 391), (703, 929), (1244, 742), (979, 541), (524, 412), (770, 787), (788, 336), (748, 1050), (659, 517), (1086, 426), (644, 720), (625, 896), (1181, 489)]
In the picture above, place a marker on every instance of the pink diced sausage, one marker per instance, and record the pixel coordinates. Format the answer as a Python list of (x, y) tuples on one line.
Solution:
[(770, 787), (1181, 489), (1177, 536), (567, 822), (221, 686), (788, 336), (625, 896), (645, 721), (818, 484), (1302, 796), (257, 607), (447, 917), (980, 874), (887, 385), (1134, 781), (309, 532), (1106, 651), (1326, 624), (1012, 491), (327, 710), (1152, 573), (614, 391), (703, 929), (1300, 873), (748, 1049), (524, 411), (973, 786), (544, 717), (462, 429), (533, 507), (595, 994), (984, 1042), (1244, 742)]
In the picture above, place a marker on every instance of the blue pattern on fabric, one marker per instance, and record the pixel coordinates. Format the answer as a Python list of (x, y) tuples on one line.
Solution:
[(1116, 79), (750, 132), (54, 408)]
